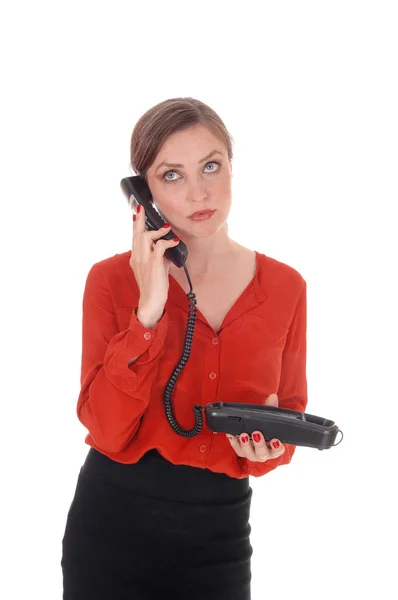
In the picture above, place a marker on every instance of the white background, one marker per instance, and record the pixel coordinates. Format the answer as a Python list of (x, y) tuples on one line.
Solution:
[(309, 92)]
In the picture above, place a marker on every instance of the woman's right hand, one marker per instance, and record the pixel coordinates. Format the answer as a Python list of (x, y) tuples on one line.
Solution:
[(151, 269)]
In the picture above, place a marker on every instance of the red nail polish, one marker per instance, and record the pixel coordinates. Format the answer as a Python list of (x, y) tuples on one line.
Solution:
[(176, 239), (138, 208), (245, 439), (276, 444), (134, 218), (166, 225), (256, 437)]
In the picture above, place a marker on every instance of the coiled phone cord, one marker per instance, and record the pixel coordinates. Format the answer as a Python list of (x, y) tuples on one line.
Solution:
[(197, 428)]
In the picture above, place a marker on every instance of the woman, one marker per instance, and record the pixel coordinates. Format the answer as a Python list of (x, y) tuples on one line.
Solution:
[(156, 514)]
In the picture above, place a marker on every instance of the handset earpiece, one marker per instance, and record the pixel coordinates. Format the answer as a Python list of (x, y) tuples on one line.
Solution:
[(137, 191)]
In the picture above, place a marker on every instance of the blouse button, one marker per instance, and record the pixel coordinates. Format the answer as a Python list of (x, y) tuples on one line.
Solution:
[(147, 335), (215, 340), (203, 448), (212, 375)]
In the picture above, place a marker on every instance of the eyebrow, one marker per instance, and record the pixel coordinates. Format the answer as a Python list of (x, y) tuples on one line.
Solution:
[(163, 164)]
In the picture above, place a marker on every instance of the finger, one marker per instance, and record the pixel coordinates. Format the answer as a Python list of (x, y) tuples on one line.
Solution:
[(138, 231), (139, 226), (261, 448), (161, 246), (156, 234), (236, 445), (248, 448), (272, 400), (139, 222), (141, 233), (277, 448)]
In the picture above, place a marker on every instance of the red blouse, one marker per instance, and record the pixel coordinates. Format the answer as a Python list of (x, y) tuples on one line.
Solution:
[(260, 349)]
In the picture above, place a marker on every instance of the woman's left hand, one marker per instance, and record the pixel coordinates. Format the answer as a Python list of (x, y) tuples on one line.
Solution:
[(258, 450)]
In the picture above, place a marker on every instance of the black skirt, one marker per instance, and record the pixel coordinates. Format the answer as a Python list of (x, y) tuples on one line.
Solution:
[(156, 530)]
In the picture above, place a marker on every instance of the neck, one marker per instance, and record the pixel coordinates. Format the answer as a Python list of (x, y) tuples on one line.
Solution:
[(205, 254)]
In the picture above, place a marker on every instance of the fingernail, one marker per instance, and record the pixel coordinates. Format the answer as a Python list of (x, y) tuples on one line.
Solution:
[(138, 208), (245, 439), (256, 437), (166, 225), (134, 218), (176, 239), (275, 444)]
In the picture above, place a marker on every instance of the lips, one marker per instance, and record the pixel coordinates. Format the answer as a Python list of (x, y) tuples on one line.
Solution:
[(201, 213)]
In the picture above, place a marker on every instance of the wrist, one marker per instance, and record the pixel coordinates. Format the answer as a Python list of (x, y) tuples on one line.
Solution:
[(148, 319)]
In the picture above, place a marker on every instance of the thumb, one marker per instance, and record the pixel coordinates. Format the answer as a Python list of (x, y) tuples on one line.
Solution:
[(272, 400)]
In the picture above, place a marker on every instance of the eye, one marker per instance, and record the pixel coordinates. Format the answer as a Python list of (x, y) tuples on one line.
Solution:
[(213, 162), (167, 178)]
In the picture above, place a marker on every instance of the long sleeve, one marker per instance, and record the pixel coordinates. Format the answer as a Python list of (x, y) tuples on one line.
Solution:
[(292, 390), (114, 395)]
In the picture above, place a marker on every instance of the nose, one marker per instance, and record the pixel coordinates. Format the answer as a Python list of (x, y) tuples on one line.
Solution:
[(196, 190)]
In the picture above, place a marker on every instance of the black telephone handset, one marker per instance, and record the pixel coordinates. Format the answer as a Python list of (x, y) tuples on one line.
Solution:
[(137, 191), (290, 427)]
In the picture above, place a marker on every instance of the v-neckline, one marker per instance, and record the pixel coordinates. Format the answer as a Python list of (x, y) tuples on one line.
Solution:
[(238, 307)]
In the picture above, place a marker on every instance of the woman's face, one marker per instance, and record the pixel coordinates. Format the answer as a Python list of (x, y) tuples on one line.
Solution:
[(196, 176)]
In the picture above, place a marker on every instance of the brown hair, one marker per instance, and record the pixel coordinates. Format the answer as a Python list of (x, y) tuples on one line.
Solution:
[(167, 117)]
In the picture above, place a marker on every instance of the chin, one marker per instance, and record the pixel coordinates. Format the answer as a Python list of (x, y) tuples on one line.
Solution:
[(202, 230)]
